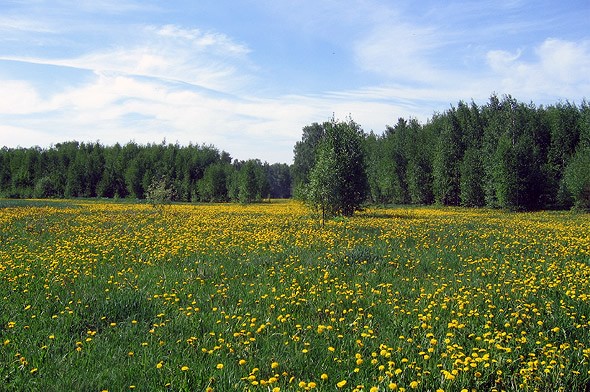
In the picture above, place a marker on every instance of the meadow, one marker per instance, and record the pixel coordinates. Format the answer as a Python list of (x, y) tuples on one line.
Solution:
[(105, 296)]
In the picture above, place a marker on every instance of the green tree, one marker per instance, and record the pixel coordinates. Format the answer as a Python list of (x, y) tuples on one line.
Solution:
[(279, 179), (472, 172), (419, 167), (323, 183), (213, 186), (447, 160), (342, 170), (304, 156), (577, 178), (160, 192), (249, 189)]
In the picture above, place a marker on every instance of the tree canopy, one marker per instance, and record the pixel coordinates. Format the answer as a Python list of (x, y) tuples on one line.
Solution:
[(337, 182)]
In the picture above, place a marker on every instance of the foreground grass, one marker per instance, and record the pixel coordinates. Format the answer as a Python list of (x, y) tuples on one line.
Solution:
[(97, 296)]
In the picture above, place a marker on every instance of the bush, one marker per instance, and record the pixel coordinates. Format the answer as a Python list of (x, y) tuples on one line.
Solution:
[(160, 193)]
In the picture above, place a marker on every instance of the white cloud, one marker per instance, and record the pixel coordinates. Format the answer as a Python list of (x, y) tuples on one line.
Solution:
[(27, 136), (211, 60), (559, 69), (19, 97), (14, 23), (220, 43), (399, 51), (500, 60)]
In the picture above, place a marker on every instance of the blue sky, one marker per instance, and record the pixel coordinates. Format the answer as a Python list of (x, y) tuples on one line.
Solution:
[(246, 76)]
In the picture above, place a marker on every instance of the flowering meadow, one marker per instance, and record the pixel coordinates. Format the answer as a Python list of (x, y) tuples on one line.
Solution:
[(106, 296)]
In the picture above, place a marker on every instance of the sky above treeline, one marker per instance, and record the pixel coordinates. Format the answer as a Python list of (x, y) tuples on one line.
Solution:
[(247, 76)]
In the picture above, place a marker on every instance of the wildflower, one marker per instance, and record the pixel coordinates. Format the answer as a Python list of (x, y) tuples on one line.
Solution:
[(324, 376), (274, 365), (219, 366), (184, 368), (341, 384)]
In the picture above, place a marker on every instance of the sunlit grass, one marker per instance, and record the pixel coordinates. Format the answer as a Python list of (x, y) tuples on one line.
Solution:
[(105, 296)]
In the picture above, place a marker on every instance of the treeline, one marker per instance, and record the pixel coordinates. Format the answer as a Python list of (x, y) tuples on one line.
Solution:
[(504, 154), (191, 173)]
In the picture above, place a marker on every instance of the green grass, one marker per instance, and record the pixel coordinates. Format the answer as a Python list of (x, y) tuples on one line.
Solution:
[(117, 296)]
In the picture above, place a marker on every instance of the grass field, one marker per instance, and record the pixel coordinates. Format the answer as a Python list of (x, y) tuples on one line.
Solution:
[(103, 296)]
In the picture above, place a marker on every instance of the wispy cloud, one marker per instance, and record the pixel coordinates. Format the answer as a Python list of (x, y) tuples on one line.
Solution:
[(558, 67), (399, 51), (210, 60), (13, 23)]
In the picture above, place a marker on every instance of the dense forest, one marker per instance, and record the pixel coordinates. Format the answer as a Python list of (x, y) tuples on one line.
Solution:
[(505, 154), (192, 173)]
